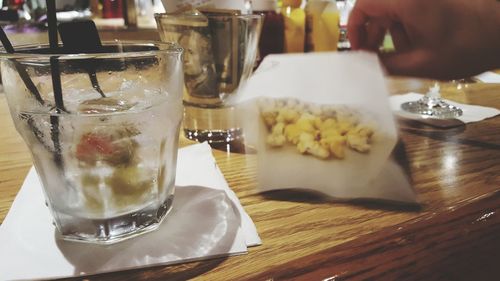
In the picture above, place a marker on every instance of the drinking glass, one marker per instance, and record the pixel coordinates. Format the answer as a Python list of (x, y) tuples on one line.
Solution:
[(106, 160), (432, 105), (220, 52)]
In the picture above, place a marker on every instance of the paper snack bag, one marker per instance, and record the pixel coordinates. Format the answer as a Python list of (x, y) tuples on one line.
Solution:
[(322, 121)]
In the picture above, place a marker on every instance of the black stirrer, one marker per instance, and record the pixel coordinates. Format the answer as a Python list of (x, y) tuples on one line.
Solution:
[(20, 69), (82, 37), (56, 80), (54, 64), (52, 23)]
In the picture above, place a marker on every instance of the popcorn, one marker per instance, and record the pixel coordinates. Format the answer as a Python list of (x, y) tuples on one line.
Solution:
[(288, 115), (306, 123), (308, 144), (321, 131), (335, 144), (276, 138), (292, 133), (269, 118), (359, 138)]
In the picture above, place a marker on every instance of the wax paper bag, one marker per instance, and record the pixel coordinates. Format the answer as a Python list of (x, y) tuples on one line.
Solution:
[(322, 121)]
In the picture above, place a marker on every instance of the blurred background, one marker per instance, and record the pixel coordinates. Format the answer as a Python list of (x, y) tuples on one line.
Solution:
[(121, 19)]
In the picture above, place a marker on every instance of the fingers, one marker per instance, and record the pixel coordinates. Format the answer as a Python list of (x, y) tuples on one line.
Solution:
[(368, 22), (425, 63), (366, 13), (370, 36), (400, 37), (416, 63), (375, 33), (356, 28)]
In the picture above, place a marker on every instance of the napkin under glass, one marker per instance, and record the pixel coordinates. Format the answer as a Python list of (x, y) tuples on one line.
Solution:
[(471, 113), (206, 221)]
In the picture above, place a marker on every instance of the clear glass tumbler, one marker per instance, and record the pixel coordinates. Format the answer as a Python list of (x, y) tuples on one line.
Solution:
[(220, 53), (106, 155)]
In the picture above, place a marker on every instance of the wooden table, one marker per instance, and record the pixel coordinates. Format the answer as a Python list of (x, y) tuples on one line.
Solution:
[(453, 235)]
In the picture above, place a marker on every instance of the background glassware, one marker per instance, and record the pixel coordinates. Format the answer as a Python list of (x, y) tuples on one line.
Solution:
[(106, 162), (112, 9), (220, 52), (295, 25), (344, 7), (432, 105), (322, 26), (272, 36)]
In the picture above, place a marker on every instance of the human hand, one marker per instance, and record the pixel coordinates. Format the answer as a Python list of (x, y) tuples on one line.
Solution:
[(440, 39)]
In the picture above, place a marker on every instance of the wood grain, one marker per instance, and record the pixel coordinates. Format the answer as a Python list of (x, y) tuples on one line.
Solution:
[(455, 173), (422, 249), (15, 159)]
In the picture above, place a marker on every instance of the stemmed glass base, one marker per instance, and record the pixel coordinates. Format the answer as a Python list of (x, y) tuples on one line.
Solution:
[(432, 105)]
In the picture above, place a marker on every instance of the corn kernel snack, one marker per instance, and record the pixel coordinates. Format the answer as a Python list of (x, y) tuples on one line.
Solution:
[(324, 132)]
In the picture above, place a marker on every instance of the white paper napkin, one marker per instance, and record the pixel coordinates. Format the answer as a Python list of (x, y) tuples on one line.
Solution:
[(207, 220), (488, 77), (471, 113)]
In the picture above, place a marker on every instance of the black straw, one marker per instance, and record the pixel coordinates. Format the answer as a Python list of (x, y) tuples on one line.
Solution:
[(95, 82), (20, 69), (6, 42), (52, 21), (56, 80), (56, 83), (82, 37), (54, 63)]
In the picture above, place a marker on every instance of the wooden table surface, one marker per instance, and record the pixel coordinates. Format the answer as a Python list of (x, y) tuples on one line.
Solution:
[(453, 235)]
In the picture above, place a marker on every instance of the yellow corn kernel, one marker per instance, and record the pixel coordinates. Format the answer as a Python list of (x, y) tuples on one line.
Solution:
[(287, 115), (358, 143), (344, 126), (278, 129), (306, 123), (335, 144), (269, 118), (275, 140), (328, 124), (306, 140), (364, 131), (308, 144), (318, 151), (292, 133), (330, 132)]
